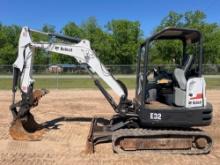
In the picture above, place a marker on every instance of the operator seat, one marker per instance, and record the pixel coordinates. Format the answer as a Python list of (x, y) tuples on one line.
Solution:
[(180, 77)]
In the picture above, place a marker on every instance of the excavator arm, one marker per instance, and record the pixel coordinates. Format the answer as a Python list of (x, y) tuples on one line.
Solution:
[(81, 51), (76, 48)]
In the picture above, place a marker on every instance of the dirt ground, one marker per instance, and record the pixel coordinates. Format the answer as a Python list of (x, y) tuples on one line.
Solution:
[(66, 142)]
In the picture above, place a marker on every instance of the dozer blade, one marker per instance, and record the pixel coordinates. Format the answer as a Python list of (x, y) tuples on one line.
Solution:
[(98, 133), (26, 129)]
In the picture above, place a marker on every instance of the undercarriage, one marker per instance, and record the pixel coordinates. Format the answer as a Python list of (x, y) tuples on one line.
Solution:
[(127, 139)]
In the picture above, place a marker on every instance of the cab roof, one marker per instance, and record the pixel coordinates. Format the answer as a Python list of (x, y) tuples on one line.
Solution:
[(186, 35)]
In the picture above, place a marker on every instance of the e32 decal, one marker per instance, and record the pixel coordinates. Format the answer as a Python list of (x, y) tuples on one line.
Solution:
[(155, 116)]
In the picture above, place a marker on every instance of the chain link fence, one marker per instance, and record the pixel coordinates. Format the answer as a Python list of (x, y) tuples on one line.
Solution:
[(72, 69), (75, 76)]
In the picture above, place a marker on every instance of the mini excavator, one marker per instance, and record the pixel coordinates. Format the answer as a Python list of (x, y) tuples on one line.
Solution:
[(164, 116)]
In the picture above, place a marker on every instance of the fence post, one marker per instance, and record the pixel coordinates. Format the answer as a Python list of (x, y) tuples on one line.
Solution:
[(57, 80)]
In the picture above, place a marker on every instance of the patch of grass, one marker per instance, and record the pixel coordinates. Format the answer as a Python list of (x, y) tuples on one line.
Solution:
[(213, 83), (65, 83), (87, 83)]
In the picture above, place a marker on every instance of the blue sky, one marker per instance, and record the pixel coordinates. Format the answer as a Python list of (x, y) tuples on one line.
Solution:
[(59, 12)]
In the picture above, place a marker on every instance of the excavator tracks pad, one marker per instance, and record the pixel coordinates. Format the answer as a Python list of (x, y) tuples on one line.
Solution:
[(26, 129), (190, 141), (193, 141)]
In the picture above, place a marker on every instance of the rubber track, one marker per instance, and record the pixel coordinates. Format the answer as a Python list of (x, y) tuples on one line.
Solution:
[(125, 133)]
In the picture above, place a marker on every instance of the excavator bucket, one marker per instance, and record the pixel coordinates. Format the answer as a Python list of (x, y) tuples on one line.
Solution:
[(26, 129)]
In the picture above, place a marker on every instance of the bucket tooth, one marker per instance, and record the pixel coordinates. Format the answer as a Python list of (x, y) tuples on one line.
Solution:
[(28, 129)]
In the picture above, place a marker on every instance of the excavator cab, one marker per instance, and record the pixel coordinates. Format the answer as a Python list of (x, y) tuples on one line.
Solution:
[(173, 98), (167, 105)]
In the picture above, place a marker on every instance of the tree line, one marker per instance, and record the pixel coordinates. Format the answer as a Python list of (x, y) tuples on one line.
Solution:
[(118, 41)]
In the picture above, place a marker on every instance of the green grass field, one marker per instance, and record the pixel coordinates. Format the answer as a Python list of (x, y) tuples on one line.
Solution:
[(87, 83)]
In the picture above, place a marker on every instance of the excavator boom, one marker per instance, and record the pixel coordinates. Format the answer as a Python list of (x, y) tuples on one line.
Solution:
[(22, 78)]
